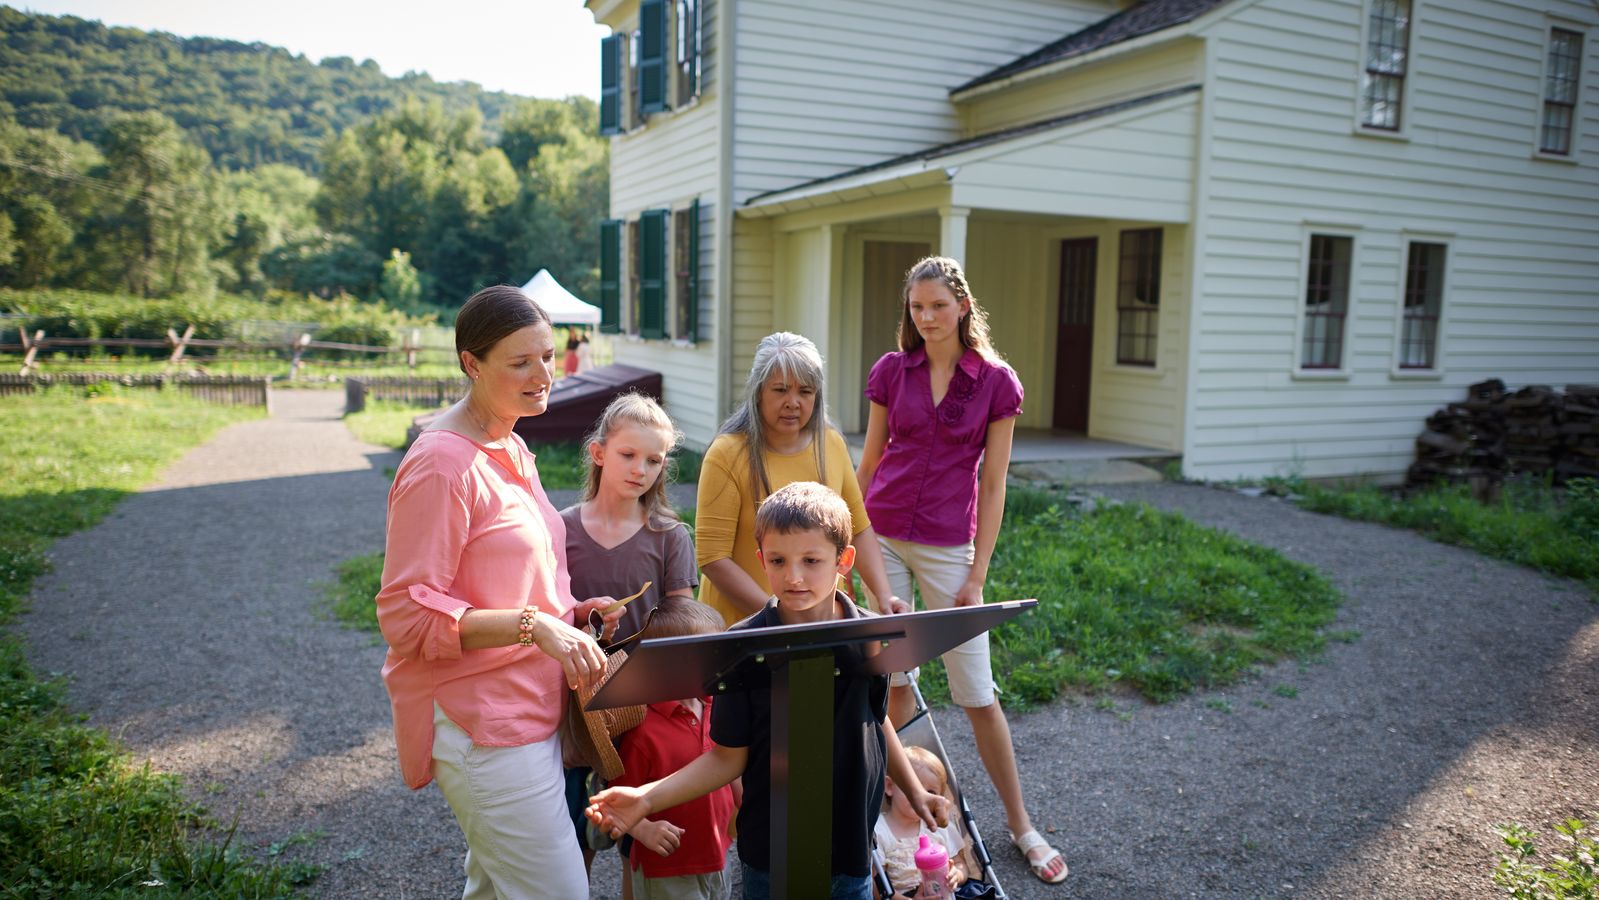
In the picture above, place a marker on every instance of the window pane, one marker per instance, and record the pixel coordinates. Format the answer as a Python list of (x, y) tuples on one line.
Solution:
[(1565, 55), (1326, 301), (1387, 62), (1556, 136), (1424, 290)]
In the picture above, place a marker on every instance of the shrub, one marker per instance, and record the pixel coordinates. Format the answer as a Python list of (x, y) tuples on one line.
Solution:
[(1569, 876)]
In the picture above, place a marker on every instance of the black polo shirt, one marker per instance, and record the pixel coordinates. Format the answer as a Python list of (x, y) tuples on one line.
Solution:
[(860, 703)]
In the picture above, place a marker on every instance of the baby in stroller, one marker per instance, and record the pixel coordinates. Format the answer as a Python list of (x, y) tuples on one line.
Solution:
[(898, 828), (970, 866)]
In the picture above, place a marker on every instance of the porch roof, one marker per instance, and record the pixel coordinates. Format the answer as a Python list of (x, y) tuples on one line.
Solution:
[(936, 164), (1137, 21)]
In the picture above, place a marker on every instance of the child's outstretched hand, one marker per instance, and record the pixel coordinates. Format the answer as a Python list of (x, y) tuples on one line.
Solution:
[(618, 809), (659, 835)]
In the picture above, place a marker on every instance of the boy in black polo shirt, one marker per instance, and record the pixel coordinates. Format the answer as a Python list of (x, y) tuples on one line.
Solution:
[(803, 531)]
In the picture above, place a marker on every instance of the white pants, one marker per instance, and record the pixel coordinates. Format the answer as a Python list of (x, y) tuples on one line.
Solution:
[(511, 804), (940, 572)]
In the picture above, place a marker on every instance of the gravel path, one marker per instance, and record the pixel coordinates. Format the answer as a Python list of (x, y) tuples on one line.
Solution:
[(1467, 698)]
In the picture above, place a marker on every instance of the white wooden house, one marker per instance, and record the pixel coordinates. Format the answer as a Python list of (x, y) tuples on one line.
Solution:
[(1269, 235)]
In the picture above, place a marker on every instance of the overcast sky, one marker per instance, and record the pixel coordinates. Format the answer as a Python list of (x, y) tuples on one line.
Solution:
[(539, 48)]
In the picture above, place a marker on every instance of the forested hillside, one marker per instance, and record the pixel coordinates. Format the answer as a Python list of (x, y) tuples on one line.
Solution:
[(145, 163), (245, 104)]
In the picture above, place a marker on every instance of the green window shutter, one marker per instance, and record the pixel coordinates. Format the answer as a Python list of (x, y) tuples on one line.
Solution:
[(652, 273), (652, 56), (692, 298), (610, 276), (611, 84)]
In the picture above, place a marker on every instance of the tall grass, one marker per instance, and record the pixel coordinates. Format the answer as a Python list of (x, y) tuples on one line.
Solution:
[(1529, 523), (1129, 595), (77, 819)]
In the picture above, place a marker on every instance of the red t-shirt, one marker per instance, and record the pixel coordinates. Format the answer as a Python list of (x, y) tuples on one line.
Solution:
[(669, 738)]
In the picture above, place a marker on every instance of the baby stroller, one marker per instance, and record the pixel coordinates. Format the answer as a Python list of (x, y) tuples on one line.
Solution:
[(920, 732)]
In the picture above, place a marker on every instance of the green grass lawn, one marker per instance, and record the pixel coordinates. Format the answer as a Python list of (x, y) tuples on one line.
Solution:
[(77, 819), (1127, 596), (315, 373), (1555, 531)]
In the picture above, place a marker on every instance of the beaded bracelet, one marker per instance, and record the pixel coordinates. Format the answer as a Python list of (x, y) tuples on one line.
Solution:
[(524, 626)]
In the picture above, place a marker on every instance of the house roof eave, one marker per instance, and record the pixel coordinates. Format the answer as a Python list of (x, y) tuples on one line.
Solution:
[(942, 163), (1130, 46), (908, 176)]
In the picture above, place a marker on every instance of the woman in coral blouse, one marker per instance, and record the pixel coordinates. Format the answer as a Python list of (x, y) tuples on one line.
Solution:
[(477, 609), (777, 436), (943, 411)]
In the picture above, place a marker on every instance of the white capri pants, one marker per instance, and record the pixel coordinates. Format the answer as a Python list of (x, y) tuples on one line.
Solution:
[(940, 572), (511, 804)]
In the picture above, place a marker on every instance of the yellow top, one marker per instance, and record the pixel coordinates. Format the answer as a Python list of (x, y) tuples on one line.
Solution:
[(724, 521)]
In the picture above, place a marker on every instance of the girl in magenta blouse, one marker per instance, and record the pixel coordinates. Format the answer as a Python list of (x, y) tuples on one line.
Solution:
[(942, 405)]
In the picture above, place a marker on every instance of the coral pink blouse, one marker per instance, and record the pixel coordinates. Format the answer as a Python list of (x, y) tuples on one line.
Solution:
[(465, 532)]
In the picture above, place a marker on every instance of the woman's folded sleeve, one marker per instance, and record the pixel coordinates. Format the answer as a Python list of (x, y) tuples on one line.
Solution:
[(429, 518)]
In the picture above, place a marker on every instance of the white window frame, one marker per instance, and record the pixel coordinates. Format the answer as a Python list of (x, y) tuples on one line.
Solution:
[(1162, 305), (1550, 24), (1396, 370), (1407, 106), (675, 62), (632, 120), (1342, 371)]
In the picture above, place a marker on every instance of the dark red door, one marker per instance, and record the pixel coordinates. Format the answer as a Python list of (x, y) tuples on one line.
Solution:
[(1074, 337)]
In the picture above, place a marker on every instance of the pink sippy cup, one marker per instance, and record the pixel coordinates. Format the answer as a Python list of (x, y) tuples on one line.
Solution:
[(932, 860)]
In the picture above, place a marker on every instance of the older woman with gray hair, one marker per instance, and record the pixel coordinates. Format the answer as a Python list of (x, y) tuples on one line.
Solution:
[(779, 434)]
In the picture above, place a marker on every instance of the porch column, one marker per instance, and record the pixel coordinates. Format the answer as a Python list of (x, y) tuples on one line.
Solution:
[(952, 232)]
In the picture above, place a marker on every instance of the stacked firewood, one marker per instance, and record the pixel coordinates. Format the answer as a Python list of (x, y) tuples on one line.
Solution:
[(1494, 433), (1579, 428)]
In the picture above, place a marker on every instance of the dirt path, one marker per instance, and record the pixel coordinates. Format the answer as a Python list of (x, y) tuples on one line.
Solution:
[(190, 625)]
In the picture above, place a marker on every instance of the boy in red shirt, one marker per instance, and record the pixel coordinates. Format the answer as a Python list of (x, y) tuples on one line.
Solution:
[(683, 851)]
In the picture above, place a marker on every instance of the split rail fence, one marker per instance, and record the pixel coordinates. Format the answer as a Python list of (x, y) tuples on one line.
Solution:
[(30, 346)]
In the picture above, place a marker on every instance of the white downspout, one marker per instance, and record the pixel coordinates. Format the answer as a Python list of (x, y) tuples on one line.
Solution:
[(722, 338)]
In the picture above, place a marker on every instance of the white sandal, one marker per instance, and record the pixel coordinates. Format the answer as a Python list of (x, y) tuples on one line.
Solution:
[(1031, 840)]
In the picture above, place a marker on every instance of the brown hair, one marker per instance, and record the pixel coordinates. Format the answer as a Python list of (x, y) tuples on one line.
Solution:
[(973, 326), (633, 408), (491, 314), (679, 616), (805, 506)]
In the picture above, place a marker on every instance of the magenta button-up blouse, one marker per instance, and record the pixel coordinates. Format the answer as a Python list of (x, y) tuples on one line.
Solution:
[(925, 488)]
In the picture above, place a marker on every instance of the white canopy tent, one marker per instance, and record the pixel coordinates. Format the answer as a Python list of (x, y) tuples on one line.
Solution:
[(563, 306)]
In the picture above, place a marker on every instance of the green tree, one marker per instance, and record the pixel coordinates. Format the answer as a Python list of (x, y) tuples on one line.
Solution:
[(401, 286), (421, 179), (154, 235), (565, 191), (45, 193), (271, 207)]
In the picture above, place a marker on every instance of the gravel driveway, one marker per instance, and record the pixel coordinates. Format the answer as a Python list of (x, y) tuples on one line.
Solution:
[(1465, 695)]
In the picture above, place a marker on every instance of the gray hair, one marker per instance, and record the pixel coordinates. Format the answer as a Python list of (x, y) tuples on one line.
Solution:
[(797, 357)]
